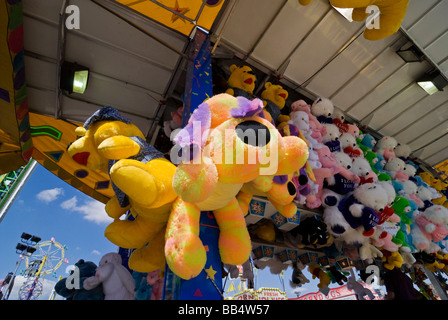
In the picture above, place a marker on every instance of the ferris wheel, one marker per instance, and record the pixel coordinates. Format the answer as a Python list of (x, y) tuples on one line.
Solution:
[(47, 258), (31, 289)]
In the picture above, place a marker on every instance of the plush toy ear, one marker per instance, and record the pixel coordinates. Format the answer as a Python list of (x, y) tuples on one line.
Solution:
[(267, 85), (80, 131), (233, 67)]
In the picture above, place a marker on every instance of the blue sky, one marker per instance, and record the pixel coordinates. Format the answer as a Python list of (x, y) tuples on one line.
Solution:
[(50, 208)]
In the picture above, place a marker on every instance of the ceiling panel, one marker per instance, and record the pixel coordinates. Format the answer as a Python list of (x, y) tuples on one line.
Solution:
[(286, 32), (131, 68), (254, 15), (395, 107), (324, 41), (372, 76), (386, 90), (347, 65)]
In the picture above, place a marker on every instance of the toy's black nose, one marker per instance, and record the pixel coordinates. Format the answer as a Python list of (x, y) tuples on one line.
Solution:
[(253, 133)]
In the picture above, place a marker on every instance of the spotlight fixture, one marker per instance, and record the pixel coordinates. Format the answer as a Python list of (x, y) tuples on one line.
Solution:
[(432, 82), (74, 77), (410, 54)]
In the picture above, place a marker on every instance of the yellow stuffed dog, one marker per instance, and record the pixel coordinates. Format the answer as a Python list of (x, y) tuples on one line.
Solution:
[(141, 178)]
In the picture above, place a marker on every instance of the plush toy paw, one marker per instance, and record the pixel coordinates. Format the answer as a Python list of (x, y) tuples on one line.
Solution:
[(150, 257), (132, 177)]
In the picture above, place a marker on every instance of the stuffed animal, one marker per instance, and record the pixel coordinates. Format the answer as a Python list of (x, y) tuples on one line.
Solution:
[(331, 138), (368, 142), (76, 290), (116, 280), (280, 190), (313, 233), (155, 280), (425, 195), (208, 181), (410, 190), (337, 276), (274, 99), (301, 120), (395, 169), (360, 291), (324, 279), (385, 147), (322, 109), (392, 14), (141, 178), (176, 122), (402, 151), (361, 208), (297, 277), (362, 169), (337, 182), (347, 128), (392, 260), (329, 168), (349, 145), (430, 226), (241, 82), (315, 125)]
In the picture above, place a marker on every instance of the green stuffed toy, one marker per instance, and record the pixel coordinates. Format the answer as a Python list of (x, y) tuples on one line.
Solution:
[(392, 13)]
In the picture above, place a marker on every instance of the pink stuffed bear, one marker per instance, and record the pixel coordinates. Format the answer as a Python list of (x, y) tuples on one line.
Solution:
[(329, 168), (318, 131)]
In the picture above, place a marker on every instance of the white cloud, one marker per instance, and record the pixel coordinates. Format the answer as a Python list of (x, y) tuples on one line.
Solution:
[(50, 194), (91, 210), (69, 204), (96, 252)]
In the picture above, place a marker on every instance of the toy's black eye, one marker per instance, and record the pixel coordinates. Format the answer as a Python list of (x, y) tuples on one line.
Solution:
[(291, 188), (253, 133)]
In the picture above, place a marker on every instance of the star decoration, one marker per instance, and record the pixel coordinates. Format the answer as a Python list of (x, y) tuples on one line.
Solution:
[(180, 10), (210, 273)]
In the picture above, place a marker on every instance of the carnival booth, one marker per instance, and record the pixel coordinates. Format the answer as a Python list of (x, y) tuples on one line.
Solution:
[(226, 136)]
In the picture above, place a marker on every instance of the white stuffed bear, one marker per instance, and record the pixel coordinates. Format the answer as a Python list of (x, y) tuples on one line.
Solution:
[(402, 150), (362, 207), (349, 145), (409, 170), (302, 121), (386, 147), (338, 114), (425, 194), (430, 226), (410, 191), (322, 109), (395, 167), (363, 170), (331, 138)]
